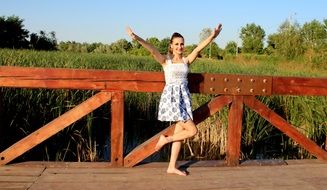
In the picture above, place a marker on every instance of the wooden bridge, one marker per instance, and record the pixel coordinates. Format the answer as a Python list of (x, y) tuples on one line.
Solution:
[(235, 91)]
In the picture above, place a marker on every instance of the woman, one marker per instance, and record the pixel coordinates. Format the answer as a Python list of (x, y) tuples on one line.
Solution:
[(175, 101)]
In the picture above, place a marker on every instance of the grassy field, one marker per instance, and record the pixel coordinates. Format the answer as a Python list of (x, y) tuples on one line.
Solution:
[(22, 111)]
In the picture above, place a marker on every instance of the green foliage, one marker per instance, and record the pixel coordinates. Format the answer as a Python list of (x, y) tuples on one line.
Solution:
[(252, 38), (85, 139), (43, 41), (12, 33), (288, 42), (314, 36), (231, 48)]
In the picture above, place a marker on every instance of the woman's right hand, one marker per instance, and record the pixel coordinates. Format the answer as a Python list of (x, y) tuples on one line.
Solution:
[(216, 31)]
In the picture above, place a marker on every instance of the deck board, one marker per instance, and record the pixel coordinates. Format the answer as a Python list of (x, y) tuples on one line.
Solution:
[(304, 174)]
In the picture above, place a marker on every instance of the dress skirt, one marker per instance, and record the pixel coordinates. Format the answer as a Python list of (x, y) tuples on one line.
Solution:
[(175, 103)]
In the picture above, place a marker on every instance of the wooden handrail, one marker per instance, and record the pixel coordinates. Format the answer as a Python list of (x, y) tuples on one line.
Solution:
[(237, 90), (143, 81)]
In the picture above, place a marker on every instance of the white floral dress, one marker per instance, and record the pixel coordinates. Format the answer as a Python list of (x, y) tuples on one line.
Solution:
[(175, 102)]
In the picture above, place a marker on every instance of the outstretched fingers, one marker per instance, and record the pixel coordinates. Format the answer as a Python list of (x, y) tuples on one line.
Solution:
[(130, 33), (217, 30)]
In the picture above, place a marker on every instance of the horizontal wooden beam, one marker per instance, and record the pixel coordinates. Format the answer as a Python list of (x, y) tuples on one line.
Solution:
[(144, 81), (299, 86)]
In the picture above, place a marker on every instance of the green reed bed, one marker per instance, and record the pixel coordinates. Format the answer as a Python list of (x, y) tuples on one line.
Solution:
[(22, 111)]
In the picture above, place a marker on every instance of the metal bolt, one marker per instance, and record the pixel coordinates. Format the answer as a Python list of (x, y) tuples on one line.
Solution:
[(238, 90), (252, 80), (264, 90), (251, 90), (239, 80), (225, 89), (212, 89), (226, 79), (212, 79), (265, 80)]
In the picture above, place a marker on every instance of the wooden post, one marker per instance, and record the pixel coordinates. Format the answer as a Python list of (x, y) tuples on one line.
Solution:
[(117, 129), (234, 132), (2, 128)]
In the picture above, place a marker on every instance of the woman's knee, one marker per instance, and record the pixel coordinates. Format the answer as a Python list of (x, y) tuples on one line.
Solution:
[(191, 128)]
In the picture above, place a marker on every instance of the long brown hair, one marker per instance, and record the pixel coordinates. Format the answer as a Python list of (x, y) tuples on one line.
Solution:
[(175, 35)]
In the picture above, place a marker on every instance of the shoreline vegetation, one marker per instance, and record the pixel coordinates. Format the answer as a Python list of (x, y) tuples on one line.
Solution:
[(22, 111)]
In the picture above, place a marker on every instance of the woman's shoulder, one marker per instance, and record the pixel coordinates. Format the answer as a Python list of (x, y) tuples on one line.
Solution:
[(185, 60), (168, 60)]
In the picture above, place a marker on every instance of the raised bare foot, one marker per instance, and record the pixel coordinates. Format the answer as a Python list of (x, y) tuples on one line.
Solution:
[(176, 171), (161, 142)]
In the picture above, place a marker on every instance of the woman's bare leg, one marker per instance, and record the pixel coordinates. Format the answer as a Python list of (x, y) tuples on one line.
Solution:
[(189, 130), (181, 132), (175, 148)]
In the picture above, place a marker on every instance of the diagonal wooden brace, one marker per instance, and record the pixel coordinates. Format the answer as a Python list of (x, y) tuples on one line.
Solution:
[(147, 148), (285, 127), (53, 127)]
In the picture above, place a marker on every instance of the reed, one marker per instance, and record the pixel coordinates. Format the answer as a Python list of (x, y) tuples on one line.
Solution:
[(23, 111)]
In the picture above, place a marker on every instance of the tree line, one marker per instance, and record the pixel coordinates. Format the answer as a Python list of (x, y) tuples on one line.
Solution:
[(291, 40)]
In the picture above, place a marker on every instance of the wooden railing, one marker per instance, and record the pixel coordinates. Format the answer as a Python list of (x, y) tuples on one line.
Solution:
[(233, 90)]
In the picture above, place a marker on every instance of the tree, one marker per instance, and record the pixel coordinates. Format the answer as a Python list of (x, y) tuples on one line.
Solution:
[(205, 33), (12, 33), (314, 35), (120, 46), (288, 42), (231, 48), (252, 38), (43, 41), (163, 45)]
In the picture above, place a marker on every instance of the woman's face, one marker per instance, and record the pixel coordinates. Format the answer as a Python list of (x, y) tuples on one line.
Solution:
[(177, 45)]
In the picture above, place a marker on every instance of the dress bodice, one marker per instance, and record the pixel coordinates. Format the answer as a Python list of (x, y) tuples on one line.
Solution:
[(175, 72)]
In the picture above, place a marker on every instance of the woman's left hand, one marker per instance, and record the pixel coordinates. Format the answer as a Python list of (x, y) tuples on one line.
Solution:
[(130, 33)]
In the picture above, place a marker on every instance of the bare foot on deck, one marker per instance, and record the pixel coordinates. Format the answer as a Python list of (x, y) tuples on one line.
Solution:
[(176, 171), (161, 142)]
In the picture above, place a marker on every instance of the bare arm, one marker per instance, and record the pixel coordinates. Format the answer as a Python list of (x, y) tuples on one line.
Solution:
[(194, 54), (154, 52)]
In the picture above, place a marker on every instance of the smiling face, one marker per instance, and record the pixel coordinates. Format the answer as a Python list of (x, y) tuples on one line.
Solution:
[(177, 45)]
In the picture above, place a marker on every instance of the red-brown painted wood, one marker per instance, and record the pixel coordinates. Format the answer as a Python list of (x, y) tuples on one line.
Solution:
[(53, 127), (285, 127), (140, 81), (234, 133), (117, 129), (147, 148), (299, 86)]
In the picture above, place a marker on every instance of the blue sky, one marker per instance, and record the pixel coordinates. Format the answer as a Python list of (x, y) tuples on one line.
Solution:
[(105, 20)]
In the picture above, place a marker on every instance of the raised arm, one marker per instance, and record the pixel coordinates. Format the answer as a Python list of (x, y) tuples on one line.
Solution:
[(194, 54), (154, 52)]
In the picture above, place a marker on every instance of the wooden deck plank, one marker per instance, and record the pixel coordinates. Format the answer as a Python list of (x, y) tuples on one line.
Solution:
[(299, 175), (19, 177)]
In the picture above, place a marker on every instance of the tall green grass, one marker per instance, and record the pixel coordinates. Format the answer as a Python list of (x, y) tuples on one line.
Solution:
[(23, 110)]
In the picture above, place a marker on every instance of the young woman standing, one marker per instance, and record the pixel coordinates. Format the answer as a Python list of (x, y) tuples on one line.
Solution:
[(175, 102)]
